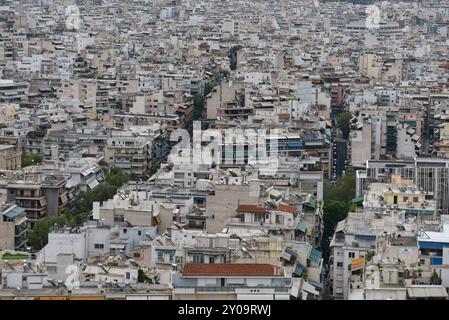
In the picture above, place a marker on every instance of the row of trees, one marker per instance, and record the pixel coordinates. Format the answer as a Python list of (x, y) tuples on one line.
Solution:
[(337, 203), (81, 208), (199, 101)]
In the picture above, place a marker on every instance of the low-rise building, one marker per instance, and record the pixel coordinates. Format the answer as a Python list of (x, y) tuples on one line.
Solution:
[(239, 281)]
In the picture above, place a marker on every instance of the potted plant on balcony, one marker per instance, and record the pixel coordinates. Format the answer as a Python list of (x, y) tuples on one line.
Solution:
[(305, 275)]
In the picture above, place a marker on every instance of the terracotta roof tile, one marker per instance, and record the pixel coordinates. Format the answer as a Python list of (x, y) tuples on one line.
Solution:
[(287, 208), (230, 269), (251, 208)]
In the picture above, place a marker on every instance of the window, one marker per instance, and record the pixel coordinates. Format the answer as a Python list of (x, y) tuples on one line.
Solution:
[(415, 199), (339, 264), (211, 259), (139, 233), (128, 275), (395, 200), (405, 199), (198, 259), (351, 255), (125, 230), (99, 246), (160, 256)]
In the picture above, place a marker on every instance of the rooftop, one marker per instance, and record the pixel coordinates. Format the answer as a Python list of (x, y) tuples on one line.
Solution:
[(230, 269)]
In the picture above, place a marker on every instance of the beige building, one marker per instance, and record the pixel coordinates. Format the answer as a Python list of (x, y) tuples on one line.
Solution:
[(129, 151), (370, 66), (6, 236), (13, 229), (443, 143), (10, 157), (125, 210), (219, 97), (222, 205), (360, 144)]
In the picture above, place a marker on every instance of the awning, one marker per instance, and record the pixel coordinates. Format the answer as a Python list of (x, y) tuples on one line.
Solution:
[(315, 283), (288, 253), (179, 253), (340, 226), (315, 255), (419, 212), (71, 183), (303, 226), (93, 184), (294, 145), (64, 198), (358, 200), (166, 250), (117, 246), (299, 269), (311, 202), (357, 264), (427, 292), (14, 212)]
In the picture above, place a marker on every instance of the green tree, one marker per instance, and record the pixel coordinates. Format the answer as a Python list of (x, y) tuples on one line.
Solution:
[(435, 278), (337, 203), (343, 123), (334, 212), (208, 87), (30, 159), (82, 206), (38, 236), (343, 189), (198, 106)]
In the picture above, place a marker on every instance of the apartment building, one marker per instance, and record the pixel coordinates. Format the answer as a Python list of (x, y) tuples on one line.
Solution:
[(13, 229), (13, 92), (133, 150), (39, 198)]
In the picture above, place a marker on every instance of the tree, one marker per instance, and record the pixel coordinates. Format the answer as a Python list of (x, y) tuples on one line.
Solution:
[(343, 190), (208, 87), (30, 159), (82, 206), (435, 278), (38, 236), (198, 106), (337, 203), (343, 123), (334, 212)]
